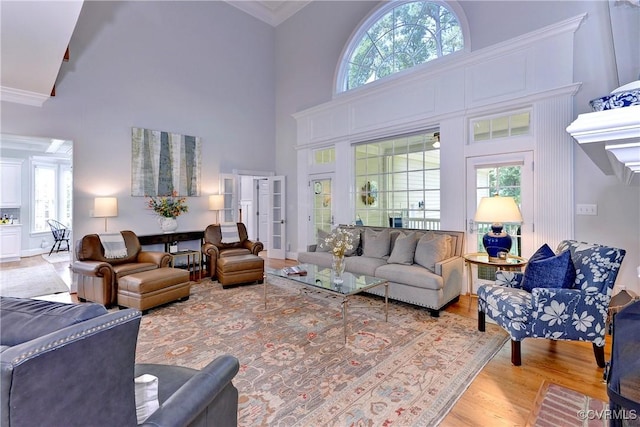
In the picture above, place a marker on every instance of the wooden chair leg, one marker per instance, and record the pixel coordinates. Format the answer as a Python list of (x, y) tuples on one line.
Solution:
[(516, 358), (599, 353), (481, 321)]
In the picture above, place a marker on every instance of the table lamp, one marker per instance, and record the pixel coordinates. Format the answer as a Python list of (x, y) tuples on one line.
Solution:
[(216, 203), (497, 210), (105, 207)]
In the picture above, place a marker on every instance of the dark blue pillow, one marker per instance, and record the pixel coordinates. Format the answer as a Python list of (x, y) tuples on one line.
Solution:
[(543, 252), (547, 270)]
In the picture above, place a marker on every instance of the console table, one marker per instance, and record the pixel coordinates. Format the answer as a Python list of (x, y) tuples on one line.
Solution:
[(168, 238)]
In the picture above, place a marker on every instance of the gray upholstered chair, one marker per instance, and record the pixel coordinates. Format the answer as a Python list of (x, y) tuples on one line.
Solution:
[(74, 365)]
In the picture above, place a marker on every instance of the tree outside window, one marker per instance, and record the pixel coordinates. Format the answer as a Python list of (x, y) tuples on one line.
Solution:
[(404, 35)]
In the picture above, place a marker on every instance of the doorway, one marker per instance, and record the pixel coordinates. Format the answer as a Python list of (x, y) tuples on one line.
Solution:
[(47, 160), (258, 200), (505, 175)]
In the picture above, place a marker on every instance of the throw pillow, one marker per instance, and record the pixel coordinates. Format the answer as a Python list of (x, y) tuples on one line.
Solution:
[(146, 395), (321, 244), (549, 271), (404, 249), (376, 245), (356, 242), (431, 249), (543, 252)]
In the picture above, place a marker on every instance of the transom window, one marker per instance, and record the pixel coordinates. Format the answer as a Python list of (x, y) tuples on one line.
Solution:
[(399, 36), (501, 126), (325, 155)]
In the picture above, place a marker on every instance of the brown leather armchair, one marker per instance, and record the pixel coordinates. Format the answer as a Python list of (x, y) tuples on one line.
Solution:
[(213, 248), (98, 276)]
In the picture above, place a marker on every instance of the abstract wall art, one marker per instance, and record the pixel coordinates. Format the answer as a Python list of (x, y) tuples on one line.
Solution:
[(163, 163)]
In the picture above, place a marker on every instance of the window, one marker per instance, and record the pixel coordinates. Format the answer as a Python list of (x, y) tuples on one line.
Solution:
[(399, 36), (398, 181), (324, 156), (52, 194), (488, 128)]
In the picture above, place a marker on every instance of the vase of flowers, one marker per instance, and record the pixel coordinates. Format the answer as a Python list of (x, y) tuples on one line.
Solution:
[(168, 208), (339, 242)]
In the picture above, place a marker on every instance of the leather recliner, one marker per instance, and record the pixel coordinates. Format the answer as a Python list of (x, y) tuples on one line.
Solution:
[(214, 249), (98, 276)]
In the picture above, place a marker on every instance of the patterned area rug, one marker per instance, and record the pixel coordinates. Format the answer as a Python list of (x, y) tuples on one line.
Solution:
[(560, 406), (295, 369)]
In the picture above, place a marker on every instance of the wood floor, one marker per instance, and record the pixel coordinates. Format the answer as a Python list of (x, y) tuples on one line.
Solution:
[(501, 394)]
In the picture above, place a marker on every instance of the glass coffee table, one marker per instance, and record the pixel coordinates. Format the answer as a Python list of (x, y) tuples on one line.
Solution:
[(323, 279)]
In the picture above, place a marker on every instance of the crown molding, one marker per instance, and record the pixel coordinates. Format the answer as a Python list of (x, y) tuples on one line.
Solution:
[(272, 12), (19, 96)]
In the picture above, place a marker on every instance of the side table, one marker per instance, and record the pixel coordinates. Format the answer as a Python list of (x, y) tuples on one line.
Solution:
[(194, 261), (511, 263), (617, 303)]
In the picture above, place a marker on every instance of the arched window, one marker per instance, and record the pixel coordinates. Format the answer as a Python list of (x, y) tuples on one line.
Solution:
[(399, 36)]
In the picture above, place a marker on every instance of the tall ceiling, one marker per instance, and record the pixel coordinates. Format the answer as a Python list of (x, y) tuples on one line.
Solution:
[(35, 36)]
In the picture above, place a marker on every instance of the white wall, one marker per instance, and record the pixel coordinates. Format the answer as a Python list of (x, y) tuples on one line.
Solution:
[(197, 68)]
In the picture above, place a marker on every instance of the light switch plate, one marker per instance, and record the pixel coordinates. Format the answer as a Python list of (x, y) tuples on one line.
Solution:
[(586, 209)]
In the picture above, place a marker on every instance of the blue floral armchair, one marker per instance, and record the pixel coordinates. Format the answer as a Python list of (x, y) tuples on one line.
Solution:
[(575, 312)]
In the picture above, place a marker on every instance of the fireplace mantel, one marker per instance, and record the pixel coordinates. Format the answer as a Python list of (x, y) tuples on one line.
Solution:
[(618, 132)]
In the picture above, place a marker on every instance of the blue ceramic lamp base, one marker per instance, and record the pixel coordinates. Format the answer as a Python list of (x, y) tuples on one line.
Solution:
[(497, 243)]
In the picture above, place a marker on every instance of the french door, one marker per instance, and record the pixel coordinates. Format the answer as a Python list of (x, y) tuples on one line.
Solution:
[(277, 239), (321, 216), (505, 175), (274, 203), (262, 210)]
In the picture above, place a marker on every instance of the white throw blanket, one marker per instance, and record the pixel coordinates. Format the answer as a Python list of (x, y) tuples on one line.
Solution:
[(229, 233), (113, 244)]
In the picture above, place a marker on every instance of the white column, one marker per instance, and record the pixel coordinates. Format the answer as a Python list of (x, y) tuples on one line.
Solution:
[(553, 171)]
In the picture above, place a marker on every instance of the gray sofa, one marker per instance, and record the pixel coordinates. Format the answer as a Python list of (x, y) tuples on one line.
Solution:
[(74, 365), (431, 278)]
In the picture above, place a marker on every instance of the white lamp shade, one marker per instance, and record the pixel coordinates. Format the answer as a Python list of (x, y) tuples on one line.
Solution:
[(216, 202), (104, 207), (498, 209)]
